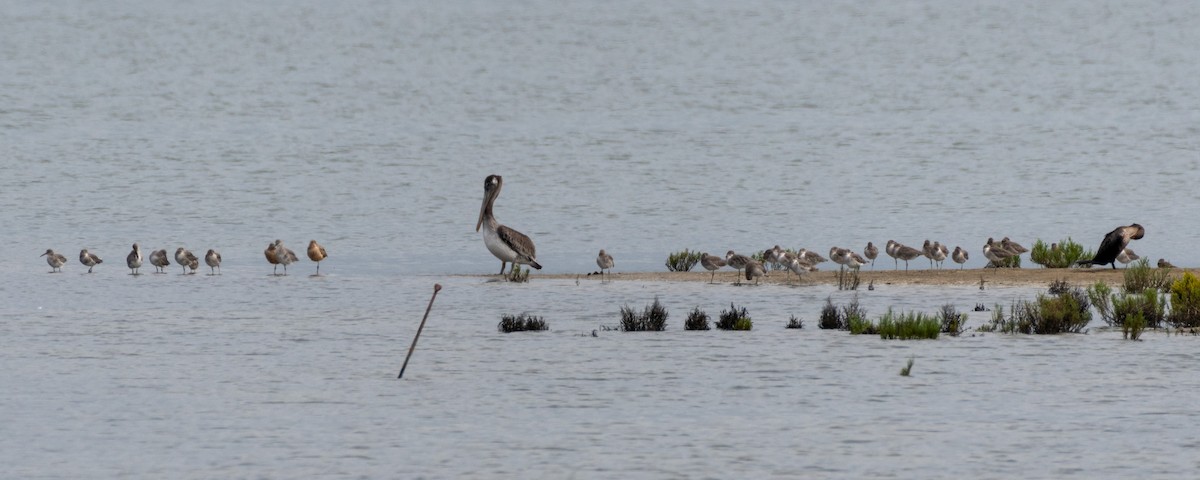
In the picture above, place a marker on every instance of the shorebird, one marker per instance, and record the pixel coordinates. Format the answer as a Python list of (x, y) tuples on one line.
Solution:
[(1163, 263), (996, 253), (712, 263), (213, 260), (737, 261), (605, 262), (840, 256), (812, 258), (1013, 246), (270, 254), (871, 252), (856, 261), (55, 260), (316, 253), (193, 263), (797, 264), (184, 258), (284, 256), (505, 243), (754, 271), (134, 259), (939, 253), (159, 259), (960, 256), (890, 249), (1127, 256), (89, 259), (906, 253), (928, 251), (1113, 243)]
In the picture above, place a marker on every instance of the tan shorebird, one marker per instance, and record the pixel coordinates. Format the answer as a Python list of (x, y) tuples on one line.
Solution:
[(184, 258), (939, 253), (871, 252), (960, 256), (605, 262), (270, 254), (890, 249), (159, 259), (797, 264), (906, 253), (213, 260), (55, 260), (737, 261), (193, 264), (89, 259), (506, 244), (1127, 255), (813, 258), (134, 260), (754, 271), (1163, 263), (316, 253), (712, 263), (284, 256), (996, 253), (1013, 246), (840, 256)]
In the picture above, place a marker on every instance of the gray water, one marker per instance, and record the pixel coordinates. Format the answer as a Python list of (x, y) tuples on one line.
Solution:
[(639, 128)]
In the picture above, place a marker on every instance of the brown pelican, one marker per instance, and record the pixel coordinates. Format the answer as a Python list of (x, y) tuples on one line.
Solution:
[(89, 259), (270, 254), (605, 262), (316, 253), (1127, 255), (134, 259), (1113, 243), (737, 261), (871, 252), (213, 260), (159, 259), (55, 260), (184, 258), (1163, 263), (505, 243), (284, 256), (960, 256), (711, 263)]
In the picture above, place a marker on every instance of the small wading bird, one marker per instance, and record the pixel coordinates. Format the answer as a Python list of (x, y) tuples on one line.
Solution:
[(89, 259), (213, 260), (605, 262), (284, 256), (55, 260), (270, 254), (737, 261), (906, 253), (871, 252), (1163, 263), (712, 263), (1127, 255), (506, 244), (1113, 243), (754, 271), (159, 259), (316, 253), (184, 258), (134, 260), (960, 257)]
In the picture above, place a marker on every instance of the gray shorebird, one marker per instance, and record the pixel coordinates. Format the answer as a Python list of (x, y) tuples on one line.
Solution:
[(871, 252), (605, 262), (1127, 255), (213, 260), (939, 253), (712, 263), (1113, 243), (159, 259), (506, 244), (996, 253), (754, 271), (906, 253), (737, 261), (1163, 263), (284, 256), (812, 258), (89, 259), (134, 260), (890, 249), (184, 258), (316, 253), (270, 254), (55, 260), (959, 256), (840, 256), (193, 264)]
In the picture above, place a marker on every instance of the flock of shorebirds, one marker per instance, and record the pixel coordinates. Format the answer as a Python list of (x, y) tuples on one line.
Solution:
[(275, 253), (511, 246)]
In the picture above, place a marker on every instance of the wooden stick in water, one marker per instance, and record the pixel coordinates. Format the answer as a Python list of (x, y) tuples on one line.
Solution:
[(436, 288)]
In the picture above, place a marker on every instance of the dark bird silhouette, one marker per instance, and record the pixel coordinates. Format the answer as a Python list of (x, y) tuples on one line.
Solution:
[(1112, 245)]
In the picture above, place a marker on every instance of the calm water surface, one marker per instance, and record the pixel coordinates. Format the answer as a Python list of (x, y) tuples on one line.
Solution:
[(641, 129)]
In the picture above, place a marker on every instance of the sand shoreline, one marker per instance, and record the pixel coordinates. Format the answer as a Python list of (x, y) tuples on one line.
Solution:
[(991, 277)]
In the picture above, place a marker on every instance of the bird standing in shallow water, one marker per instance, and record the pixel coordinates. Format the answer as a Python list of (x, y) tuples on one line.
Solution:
[(284, 256), (605, 262), (159, 259), (213, 260), (316, 253), (960, 256), (55, 260), (270, 254), (134, 260), (184, 258), (712, 263), (506, 244), (89, 259)]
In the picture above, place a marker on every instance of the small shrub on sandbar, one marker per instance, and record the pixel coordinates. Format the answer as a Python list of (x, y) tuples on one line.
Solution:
[(734, 319), (522, 323), (795, 322), (1059, 255), (1185, 302), (830, 320), (518, 274), (861, 326), (682, 261), (697, 320), (908, 326), (1140, 276), (652, 319)]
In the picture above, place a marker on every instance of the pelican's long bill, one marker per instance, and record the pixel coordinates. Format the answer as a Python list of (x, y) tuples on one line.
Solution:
[(491, 189)]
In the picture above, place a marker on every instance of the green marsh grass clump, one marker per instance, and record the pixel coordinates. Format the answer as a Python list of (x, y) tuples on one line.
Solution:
[(518, 274), (1133, 326), (999, 322), (521, 323), (1139, 276), (1068, 311), (652, 319), (952, 322), (795, 322), (734, 319), (1064, 254), (1100, 294), (1185, 302), (696, 320), (1149, 306), (830, 319), (683, 261), (852, 312), (908, 326), (907, 369), (861, 326)]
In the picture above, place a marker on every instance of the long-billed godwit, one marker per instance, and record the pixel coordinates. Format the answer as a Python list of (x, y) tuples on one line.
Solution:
[(1113, 243), (184, 258), (712, 263), (55, 260), (316, 253), (738, 261), (213, 260), (159, 259), (506, 244), (871, 252), (959, 256), (89, 259), (605, 262), (754, 271), (284, 256), (134, 260), (270, 254)]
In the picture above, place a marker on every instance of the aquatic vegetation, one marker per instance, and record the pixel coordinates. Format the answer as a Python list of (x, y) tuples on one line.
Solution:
[(952, 322), (683, 261), (795, 322), (1100, 294), (908, 326), (848, 280), (830, 320), (652, 319), (852, 312), (1133, 326), (861, 326), (1139, 276), (1010, 262), (518, 274), (522, 323), (1149, 306), (999, 322), (1185, 302), (1065, 253), (734, 319), (696, 320), (1067, 311), (904, 372)]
